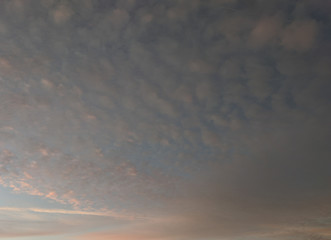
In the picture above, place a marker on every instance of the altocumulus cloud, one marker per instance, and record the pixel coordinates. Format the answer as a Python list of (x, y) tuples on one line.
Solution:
[(198, 119)]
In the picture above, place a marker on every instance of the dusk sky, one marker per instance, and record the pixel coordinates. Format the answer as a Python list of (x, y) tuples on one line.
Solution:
[(165, 119)]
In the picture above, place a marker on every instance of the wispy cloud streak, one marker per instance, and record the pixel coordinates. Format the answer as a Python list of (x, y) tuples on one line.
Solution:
[(105, 213)]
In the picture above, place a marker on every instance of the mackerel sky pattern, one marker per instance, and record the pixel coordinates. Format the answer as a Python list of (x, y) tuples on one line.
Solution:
[(172, 120)]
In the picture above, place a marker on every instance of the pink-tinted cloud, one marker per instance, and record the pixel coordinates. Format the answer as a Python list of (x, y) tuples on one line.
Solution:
[(266, 31), (61, 14)]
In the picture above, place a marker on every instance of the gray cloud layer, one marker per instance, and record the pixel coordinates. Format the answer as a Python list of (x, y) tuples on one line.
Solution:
[(212, 113)]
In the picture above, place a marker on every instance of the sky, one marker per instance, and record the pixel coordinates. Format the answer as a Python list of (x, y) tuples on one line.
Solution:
[(165, 119)]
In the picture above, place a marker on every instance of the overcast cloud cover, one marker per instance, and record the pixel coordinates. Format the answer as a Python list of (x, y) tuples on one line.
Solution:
[(172, 119)]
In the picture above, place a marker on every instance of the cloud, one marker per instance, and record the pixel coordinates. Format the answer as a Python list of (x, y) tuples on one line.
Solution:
[(207, 119), (61, 14), (69, 212), (26, 222), (266, 31), (300, 35), (277, 191), (282, 184)]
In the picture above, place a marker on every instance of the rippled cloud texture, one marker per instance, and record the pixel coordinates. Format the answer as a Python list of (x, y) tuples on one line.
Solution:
[(172, 120)]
